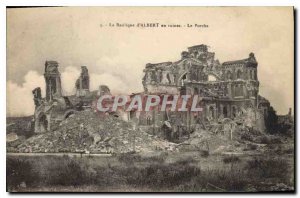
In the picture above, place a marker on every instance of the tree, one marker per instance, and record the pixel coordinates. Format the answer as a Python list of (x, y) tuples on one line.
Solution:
[(271, 121)]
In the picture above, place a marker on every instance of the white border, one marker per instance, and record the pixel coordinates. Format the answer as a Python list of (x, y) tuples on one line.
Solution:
[(148, 3), (5, 3)]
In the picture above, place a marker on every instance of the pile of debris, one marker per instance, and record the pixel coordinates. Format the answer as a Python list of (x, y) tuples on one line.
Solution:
[(237, 135), (87, 131)]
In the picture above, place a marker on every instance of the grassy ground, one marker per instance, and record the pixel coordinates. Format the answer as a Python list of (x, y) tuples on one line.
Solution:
[(184, 172)]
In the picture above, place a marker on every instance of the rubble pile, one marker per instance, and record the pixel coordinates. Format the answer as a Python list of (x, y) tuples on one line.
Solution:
[(208, 140), (235, 135), (89, 132)]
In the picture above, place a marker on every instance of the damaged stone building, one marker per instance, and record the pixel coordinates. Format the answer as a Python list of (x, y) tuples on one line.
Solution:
[(55, 107), (227, 90)]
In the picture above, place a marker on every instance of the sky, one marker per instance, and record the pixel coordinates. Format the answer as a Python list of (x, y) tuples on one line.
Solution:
[(116, 56)]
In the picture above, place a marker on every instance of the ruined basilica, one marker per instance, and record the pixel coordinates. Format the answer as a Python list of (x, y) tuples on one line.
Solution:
[(226, 91)]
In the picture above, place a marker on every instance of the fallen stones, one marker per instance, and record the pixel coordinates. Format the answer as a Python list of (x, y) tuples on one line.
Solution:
[(89, 132)]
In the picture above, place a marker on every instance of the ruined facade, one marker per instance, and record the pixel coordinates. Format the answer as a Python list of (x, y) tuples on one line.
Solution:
[(55, 107), (227, 90)]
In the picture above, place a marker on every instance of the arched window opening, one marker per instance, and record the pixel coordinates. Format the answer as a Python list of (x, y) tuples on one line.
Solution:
[(148, 120), (233, 111), (229, 75), (225, 113), (196, 91), (183, 79), (212, 78), (252, 75), (211, 112), (168, 78), (183, 91), (43, 123), (239, 74)]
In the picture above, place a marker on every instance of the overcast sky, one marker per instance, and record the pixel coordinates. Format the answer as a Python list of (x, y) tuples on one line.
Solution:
[(117, 56)]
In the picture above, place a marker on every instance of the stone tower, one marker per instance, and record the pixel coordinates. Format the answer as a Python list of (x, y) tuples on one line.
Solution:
[(83, 82), (53, 81), (252, 85)]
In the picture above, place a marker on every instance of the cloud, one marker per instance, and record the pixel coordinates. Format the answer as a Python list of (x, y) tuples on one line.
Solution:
[(115, 84), (68, 79), (20, 98), (72, 36)]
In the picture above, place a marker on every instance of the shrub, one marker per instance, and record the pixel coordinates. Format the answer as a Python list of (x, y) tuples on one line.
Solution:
[(246, 136), (204, 153), (218, 180), (154, 159), (264, 140), (51, 172), (268, 168), (231, 159), (186, 161), (160, 176), (69, 172), (18, 171), (128, 158), (289, 151), (251, 147), (269, 140)]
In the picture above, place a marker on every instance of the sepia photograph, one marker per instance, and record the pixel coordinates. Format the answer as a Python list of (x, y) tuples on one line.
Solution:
[(150, 99)]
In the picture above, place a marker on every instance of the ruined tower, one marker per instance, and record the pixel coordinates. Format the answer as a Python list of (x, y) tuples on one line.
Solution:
[(37, 96), (241, 78), (53, 81), (83, 82), (252, 85)]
